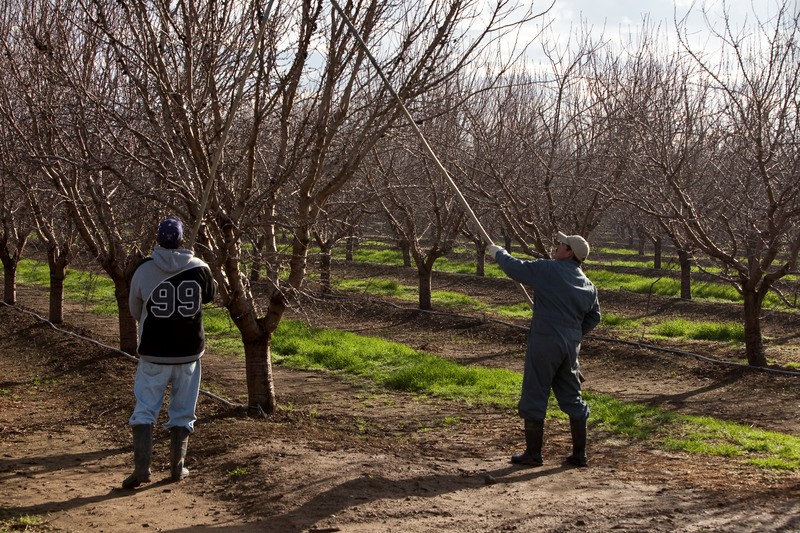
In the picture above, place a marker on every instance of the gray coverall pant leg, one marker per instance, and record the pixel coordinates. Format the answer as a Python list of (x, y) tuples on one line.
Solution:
[(551, 362)]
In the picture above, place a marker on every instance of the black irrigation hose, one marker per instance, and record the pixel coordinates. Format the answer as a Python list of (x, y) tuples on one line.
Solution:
[(695, 355), (641, 345), (116, 350)]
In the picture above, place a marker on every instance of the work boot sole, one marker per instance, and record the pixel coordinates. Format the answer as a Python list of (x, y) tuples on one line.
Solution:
[(580, 462), (525, 459), (133, 482)]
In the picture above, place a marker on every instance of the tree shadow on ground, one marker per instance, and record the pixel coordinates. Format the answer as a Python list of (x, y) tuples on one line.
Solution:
[(680, 398)]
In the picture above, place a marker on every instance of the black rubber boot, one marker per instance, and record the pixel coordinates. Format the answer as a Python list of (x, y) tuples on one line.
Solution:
[(179, 441), (578, 430), (534, 435), (142, 456)]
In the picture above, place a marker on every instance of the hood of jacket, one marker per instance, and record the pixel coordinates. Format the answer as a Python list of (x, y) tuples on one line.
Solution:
[(172, 260)]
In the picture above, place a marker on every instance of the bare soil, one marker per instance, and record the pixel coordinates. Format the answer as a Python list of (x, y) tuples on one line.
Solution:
[(343, 455)]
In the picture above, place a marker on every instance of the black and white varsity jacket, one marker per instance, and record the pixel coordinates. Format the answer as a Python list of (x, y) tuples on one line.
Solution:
[(167, 294)]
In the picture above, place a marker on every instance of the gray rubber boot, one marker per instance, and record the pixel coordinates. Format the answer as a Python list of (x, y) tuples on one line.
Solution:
[(142, 456), (179, 441), (578, 430), (534, 436)]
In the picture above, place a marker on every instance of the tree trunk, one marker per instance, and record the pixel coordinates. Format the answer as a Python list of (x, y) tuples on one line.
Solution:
[(258, 255), (257, 356), (57, 259), (350, 247), (127, 324), (425, 279), (272, 258), (10, 262), (256, 333), (260, 383), (686, 274), (9, 282), (641, 234), (657, 253), (406, 249), (753, 341), (480, 259), (325, 267)]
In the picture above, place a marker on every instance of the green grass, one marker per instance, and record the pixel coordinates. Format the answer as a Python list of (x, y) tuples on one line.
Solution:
[(378, 287), (618, 321), (239, 471), (678, 328), (393, 365), (451, 300), (603, 279), (98, 290), (455, 266), (95, 290), (384, 256), (618, 281), (604, 250), (397, 366), (407, 293), (600, 257), (709, 331), (666, 265), (22, 522), (222, 337), (624, 418), (709, 436), (393, 257), (521, 310)]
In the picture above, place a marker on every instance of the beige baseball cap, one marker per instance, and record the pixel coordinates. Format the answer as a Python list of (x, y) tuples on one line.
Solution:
[(578, 244)]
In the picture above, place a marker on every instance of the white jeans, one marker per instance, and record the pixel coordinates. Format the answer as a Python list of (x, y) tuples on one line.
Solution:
[(149, 387)]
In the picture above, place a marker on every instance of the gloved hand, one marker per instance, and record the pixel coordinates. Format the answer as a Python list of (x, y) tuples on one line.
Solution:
[(492, 250)]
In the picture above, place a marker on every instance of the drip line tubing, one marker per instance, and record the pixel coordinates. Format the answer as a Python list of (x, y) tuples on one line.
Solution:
[(636, 344), (125, 354)]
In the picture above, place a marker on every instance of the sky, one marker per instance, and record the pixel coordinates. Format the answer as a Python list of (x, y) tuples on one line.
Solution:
[(617, 20)]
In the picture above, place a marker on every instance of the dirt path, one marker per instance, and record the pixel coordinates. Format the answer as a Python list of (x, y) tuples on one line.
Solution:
[(341, 455)]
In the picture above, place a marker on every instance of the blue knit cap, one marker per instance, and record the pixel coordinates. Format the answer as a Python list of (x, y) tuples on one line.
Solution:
[(170, 233)]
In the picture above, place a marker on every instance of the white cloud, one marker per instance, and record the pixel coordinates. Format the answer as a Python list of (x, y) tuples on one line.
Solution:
[(617, 21)]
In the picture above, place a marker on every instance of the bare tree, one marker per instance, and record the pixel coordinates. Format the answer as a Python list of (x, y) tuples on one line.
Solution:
[(55, 230), (717, 154), (46, 211), (15, 229), (753, 229), (421, 210), (662, 117), (58, 80), (540, 142), (182, 64), (339, 222), (14, 233)]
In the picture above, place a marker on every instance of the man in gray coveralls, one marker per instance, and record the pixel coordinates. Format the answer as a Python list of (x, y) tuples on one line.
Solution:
[(565, 308)]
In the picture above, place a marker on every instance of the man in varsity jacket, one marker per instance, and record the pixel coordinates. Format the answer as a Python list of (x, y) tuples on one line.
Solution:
[(167, 294)]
